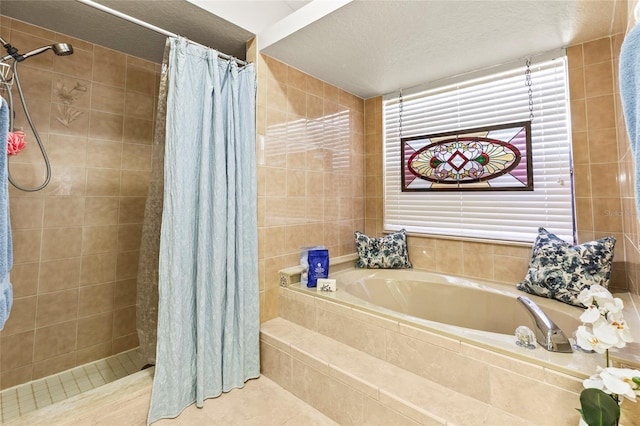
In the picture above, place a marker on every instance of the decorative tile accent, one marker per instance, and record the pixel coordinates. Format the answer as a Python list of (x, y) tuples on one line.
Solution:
[(67, 97)]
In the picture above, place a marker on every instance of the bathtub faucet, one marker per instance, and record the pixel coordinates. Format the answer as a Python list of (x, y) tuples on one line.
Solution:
[(548, 334)]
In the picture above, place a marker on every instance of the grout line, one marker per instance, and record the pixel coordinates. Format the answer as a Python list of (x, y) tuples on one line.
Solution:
[(26, 399)]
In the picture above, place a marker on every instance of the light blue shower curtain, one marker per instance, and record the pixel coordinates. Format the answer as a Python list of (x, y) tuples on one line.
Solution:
[(208, 313)]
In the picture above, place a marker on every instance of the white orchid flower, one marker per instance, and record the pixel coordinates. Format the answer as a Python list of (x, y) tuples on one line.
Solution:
[(613, 306), (615, 316), (623, 332), (604, 315), (608, 334), (590, 315), (620, 381), (587, 340), (604, 327), (594, 381), (587, 295)]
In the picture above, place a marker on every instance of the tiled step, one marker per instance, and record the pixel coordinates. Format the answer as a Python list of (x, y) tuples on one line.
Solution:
[(353, 387)]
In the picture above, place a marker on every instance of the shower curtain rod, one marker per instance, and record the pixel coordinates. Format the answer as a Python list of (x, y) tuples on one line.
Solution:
[(150, 26)]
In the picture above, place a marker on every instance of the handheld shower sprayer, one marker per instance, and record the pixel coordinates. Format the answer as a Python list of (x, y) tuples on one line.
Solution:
[(60, 49)]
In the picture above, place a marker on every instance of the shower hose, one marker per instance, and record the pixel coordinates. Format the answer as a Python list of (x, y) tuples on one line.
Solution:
[(43, 151)]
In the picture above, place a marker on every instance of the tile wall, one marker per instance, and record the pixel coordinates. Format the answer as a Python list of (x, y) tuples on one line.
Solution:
[(597, 138), (310, 170), (76, 242)]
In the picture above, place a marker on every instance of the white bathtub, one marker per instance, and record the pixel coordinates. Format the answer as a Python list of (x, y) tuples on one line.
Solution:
[(455, 301), (477, 312)]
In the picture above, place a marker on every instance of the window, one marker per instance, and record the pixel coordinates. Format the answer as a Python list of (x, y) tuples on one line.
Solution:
[(477, 101), (491, 158)]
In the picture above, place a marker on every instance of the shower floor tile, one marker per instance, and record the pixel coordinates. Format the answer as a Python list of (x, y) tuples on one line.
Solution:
[(37, 394)]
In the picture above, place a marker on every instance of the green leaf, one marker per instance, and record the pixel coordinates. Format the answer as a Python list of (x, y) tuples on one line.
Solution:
[(598, 408)]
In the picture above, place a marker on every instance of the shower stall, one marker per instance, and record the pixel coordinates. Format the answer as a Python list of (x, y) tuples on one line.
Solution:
[(88, 127), (78, 236)]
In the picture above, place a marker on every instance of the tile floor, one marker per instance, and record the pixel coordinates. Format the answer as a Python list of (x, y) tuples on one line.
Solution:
[(261, 402), (28, 397), (125, 402)]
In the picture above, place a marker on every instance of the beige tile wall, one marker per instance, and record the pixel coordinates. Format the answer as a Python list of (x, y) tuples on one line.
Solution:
[(604, 169), (596, 139), (310, 148), (76, 242)]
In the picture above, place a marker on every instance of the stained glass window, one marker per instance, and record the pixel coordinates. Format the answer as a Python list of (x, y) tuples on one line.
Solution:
[(481, 159), (451, 115)]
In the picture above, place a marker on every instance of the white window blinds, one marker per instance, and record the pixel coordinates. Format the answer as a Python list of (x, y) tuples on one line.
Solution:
[(501, 97)]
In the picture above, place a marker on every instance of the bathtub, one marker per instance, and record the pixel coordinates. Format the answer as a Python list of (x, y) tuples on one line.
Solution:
[(481, 313), (448, 329), (455, 301)]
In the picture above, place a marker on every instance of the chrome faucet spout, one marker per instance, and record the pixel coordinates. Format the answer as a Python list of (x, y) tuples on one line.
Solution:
[(548, 334)]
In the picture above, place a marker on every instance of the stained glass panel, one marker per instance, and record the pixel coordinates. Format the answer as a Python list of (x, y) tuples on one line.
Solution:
[(495, 158)]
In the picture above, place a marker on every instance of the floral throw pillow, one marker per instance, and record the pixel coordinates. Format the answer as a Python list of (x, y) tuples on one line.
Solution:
[(559, 270), (388, 252)]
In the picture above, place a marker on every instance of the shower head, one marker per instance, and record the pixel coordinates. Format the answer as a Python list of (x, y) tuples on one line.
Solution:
[(60, 49)]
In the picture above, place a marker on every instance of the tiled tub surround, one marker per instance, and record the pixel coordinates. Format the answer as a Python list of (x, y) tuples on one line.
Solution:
[(536, 385), (353, 387), (310, 166)]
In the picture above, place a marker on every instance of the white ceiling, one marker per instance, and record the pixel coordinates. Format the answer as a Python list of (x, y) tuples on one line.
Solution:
[(375, 47), (252, 15), (366, 47)]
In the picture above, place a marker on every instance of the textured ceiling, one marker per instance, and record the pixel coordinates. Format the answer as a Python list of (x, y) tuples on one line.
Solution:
[(375, 47), (367, 47)]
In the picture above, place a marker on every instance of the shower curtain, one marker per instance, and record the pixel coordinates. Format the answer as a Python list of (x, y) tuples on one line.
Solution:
[(147, 281), (208, 313)]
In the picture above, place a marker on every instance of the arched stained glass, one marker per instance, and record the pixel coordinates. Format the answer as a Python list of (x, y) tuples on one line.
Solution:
[(481, 159)]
